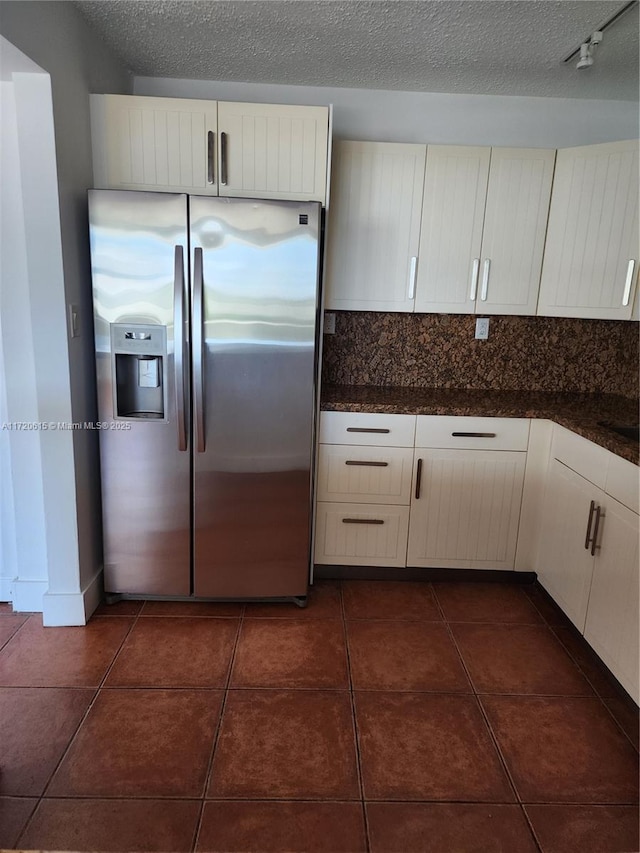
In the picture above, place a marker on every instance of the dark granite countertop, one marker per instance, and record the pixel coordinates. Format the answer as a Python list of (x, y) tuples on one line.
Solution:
[(577, 412)]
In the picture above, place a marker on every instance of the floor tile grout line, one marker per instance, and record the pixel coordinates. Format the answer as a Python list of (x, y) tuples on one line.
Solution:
[(529, 823), (73, 737), (18, 628), (552, 626), (597, 692), (216, 736), (502, 758), (354, 721), (476, 696)]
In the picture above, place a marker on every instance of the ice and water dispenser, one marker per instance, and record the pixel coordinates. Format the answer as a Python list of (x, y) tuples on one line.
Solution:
[(138, 362)]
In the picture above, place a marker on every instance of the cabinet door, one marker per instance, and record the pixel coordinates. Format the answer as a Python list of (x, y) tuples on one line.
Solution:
[(273, 151), (591, 256), (455, 190), (612, 615), (361, 535), (515, 224), (374, 228), (466, 508), (165, 144), (564, 564)]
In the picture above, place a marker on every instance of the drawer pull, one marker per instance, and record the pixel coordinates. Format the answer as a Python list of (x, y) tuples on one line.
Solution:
[(366, 464), (362, 521), (473, 434), (418, 478), (367, 429)]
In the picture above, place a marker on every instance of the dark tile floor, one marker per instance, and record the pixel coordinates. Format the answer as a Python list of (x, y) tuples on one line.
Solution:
[(387, 716)]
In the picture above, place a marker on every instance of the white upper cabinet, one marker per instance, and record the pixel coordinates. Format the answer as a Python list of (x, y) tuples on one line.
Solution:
[(483, 229), (273, 151), (515, 224), (591, 256), (163, 144), (210, 147), (374, 227), (455, 191)]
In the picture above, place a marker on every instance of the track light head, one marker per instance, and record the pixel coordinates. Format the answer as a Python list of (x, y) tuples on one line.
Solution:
[(586, 50), (586, 59)]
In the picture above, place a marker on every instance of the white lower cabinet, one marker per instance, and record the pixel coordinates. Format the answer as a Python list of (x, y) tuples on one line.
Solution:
[(588, 552), (465, 508), (612, 617), (363, 489), (565, 563), (379, 475), (361, 534), (455, 505)]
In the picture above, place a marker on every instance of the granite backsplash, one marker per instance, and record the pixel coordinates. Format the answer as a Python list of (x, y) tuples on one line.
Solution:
[(522, 353)]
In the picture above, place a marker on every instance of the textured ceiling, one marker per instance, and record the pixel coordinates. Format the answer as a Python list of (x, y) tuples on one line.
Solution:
[(498, 47)]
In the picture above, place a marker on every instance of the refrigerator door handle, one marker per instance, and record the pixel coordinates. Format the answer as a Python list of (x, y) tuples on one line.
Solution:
[(198, 349), (178, 346)]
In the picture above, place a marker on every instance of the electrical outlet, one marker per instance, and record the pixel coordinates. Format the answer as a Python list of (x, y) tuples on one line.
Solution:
[(329, 323), (482, 328)]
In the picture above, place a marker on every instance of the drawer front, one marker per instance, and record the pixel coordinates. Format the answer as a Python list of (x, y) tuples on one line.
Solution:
[(365, 474), (361, 535), (472, 433), (365, 428)]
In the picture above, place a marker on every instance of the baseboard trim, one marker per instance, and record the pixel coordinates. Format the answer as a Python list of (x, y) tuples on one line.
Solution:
[(28, 596), (378, 573), (72, 608), (6, 589)]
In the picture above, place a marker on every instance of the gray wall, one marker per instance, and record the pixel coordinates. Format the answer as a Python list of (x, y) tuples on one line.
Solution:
[(54, 35), (387, 116)]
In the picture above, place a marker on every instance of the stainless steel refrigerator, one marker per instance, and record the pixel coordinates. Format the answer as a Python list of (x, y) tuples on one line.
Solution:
[(206, 320)]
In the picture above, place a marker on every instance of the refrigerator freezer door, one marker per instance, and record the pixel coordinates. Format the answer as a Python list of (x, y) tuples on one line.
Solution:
[(256, 265), (135, 255)]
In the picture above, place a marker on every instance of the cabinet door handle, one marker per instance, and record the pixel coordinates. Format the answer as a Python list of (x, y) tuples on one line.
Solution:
[(366, 464), (367, 429), (223, 158), (210, 154), (485, 279), (627, 283), (587, 539), (412, 278), (418, 478), (475, 269), (596, 528), (362, 521), (473, 434)]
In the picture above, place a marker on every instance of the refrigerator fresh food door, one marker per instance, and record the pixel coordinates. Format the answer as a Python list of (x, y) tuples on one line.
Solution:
[(254, 309), (139, 256)]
